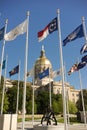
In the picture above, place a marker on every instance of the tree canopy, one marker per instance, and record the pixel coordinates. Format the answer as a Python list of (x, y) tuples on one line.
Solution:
[(79, 102)]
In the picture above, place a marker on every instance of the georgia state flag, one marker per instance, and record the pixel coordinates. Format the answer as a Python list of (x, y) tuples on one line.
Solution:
[(77, 33)]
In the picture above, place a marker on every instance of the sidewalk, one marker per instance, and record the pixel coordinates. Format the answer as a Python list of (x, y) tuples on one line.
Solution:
[(29, 126)]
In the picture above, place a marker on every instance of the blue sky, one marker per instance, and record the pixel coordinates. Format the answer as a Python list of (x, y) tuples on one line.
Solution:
[(41, 13)]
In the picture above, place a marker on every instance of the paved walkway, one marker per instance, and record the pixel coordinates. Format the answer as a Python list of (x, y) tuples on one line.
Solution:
[(77, 127), (29, 126)]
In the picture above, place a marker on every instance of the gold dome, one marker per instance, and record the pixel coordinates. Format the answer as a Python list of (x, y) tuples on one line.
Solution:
[(42, 63), (42, 60)]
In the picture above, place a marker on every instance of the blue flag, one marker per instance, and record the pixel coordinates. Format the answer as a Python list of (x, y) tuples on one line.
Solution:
[(84, 59), (81, 65), (3, 65), (77, 33), (44, 73), (83, 49), (14, 70), (2, 33)]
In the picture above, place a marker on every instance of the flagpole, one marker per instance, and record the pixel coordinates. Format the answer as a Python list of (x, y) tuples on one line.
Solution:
[(4, 85), (18, 90), (84, 28), (33, 98), (84, 113), (6, 22), (26, 59), (33, 105), (67, 97), (50, 90), (62, 70), (67, 105)]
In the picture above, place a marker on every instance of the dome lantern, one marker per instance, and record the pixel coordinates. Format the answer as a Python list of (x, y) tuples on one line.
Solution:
[(42, 52), (41, 64)]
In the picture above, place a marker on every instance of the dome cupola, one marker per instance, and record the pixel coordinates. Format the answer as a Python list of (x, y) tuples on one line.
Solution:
[(42, 63)]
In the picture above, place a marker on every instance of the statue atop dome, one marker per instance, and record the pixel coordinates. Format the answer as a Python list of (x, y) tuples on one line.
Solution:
[(42, 52), (41, 64)]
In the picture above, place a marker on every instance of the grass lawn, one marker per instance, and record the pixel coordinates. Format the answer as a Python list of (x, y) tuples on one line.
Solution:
[(59, 119)]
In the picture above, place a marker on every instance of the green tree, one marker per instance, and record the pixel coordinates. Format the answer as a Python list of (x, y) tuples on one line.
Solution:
[(42, 101), (79, 102), (6, 102), (20, 98), (29, 107), (28, 100), (72, 107), (57, 103), (12, 98), (55, 107), (2, 81)]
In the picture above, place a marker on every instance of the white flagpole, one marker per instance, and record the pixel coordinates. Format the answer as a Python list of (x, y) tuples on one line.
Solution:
[(26, 59), (50, 90), (18, 90), (62, 71), (67, 98), (84, 113), (67, 104), (3, 50), (84, 29), (33, 97), (4, 85)]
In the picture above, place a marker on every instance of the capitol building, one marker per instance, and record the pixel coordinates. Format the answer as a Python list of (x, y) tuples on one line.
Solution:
[(41, 64)]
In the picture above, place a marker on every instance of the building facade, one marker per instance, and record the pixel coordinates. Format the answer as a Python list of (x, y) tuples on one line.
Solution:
[(41, 64)]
